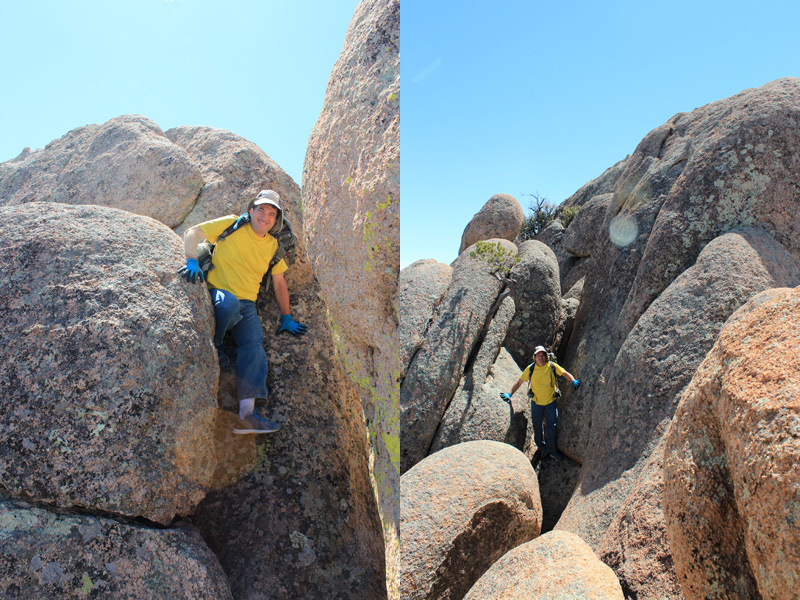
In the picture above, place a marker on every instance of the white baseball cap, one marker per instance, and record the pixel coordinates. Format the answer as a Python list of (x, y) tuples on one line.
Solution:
[(540, 349), (268, 197)]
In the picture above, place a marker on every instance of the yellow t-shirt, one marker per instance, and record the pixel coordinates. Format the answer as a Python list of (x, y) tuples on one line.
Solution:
[(543, 382), (241, 259)]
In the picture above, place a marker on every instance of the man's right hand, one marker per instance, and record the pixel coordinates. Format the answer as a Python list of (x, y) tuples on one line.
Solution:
[(506, 398), (192, 271)]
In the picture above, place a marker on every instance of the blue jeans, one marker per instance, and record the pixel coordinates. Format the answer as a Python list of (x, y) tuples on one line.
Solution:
[(549, 414), (240, 317)]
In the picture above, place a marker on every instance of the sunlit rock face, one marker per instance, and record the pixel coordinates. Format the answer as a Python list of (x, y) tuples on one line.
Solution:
[(108, 385), (730, 466), (127, 163), (695, 224)]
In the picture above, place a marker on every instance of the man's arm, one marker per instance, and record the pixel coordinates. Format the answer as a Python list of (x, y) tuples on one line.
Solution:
[(281, 293), (191, 238), (514, 388), (282, 297), (568, 376)]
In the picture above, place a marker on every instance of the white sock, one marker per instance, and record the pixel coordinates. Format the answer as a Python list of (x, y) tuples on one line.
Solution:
[(246, 406)]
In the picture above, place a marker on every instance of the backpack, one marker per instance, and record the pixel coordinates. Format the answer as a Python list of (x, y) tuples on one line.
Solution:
[(286, 245), (551, 358)]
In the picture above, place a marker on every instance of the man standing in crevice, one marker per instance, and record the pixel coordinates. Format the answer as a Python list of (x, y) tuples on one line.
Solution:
[(544, 391), (241, 259)]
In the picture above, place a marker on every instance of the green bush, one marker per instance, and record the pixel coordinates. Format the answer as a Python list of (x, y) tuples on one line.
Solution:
[(542, 213), (568, 214), (500, 260)]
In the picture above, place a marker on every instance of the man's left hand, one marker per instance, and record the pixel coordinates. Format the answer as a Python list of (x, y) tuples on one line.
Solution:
[(576, 383), (289, 324)]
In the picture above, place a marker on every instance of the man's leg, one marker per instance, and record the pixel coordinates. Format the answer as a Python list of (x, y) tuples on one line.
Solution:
[(537, 417), (551, 426), (251, 369), (251, 359), (226, 313)]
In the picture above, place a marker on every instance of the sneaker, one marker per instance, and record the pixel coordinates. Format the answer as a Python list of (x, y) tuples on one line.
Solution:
[(255, 423)]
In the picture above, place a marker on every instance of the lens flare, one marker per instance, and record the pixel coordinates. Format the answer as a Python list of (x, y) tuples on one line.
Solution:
[(623, 230)]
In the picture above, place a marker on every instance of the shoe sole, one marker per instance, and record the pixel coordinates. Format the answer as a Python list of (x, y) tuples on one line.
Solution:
[(243, 431)]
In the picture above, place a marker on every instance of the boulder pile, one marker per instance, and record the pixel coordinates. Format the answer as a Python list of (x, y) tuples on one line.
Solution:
[(671, 464)]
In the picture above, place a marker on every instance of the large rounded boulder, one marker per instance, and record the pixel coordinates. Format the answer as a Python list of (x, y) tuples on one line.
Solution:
[(558, 564), (501, 217), (537, 300), (109, 374), (126, 163), (51, 556), (461, 509), (731, 475)]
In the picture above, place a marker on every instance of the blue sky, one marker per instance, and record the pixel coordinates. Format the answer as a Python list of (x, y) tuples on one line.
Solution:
[(258, 68), (528, 96)]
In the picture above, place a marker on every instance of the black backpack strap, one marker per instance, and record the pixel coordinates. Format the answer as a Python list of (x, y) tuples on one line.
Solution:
[(240, 222)]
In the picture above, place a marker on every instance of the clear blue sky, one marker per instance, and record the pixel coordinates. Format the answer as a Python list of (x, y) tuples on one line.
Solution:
[(530, 96), (258, 68)]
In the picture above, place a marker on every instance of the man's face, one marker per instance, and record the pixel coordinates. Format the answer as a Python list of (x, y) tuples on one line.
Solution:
[(262, 218), (541, 359)]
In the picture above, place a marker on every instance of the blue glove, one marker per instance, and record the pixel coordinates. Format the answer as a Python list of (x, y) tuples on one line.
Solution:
[(506, 398), (576, 383), (288, 324), (192, 271)]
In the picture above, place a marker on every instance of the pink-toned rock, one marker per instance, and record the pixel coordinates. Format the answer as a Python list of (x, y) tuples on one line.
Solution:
[(420, 289), (537, 300), (635, 544), (126, 163), (651, 370), (555, 565), (476, 411), (52, 556), (436, 370), (731, 163), (108, 371), (500, 218), (462, 509), (731, 470), (234, 171), (351, 207)]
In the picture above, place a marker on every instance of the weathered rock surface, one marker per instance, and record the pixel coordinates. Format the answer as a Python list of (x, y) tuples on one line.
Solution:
[(500, 218), (728, 164), (437, 368), (109, 373), (731, 470), (558, 479), (555, 565), (654, 365), (635, 544), (573, 267), (234, 170), (476, 411), (580, 239), (463, 508), (47, 555), (419, 291), (351, 206), (126, 163), (305, 500), (302, 495), (537, 297)]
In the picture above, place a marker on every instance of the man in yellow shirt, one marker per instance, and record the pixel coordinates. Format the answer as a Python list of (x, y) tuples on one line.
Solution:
[(240, 262), (543, 385)]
